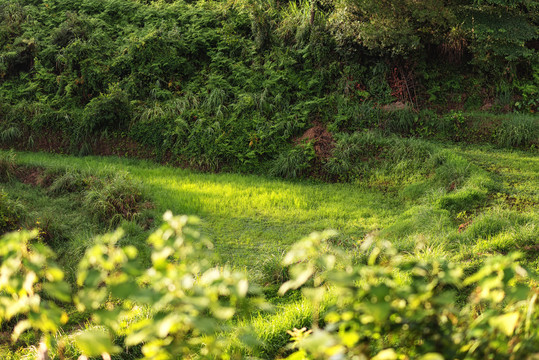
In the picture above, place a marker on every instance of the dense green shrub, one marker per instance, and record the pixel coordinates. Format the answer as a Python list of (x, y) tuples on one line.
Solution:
[(229, 84), (32, 284), (109, 111), (186, 304), (390, 307), (376, 304)]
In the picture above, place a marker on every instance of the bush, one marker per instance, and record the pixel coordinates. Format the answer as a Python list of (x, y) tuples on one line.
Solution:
[(185, 301), (379, 303), (391, 307), (110, 111)]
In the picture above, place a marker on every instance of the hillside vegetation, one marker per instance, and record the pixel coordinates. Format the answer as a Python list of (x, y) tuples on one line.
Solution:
[(235, 84)]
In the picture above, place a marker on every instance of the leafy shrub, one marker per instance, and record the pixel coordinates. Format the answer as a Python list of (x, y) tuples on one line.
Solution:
[(73, 28), (32, 287), (391, 307), (110, 111), (186, 301), (529, 91), (380, 303)]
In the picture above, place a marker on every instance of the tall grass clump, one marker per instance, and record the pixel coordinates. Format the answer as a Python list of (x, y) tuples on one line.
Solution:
[(501, 230), (7, 166), (10, 135), (372, 157), (71, 181), (115, 198), (293, 163), (518, 131)]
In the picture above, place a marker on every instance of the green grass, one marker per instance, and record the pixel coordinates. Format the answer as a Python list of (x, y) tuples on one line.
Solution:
[(252, 218), (64, 223), (465, 203), (247, 217)]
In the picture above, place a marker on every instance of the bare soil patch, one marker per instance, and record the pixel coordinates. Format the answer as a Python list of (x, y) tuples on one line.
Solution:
[(321, 138)]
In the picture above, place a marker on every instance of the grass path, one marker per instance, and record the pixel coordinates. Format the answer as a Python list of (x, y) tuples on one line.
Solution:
[(248, 217)]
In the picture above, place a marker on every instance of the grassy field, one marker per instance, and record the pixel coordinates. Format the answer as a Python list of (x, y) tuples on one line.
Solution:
[(476, 202), (251, 218), (248, 217)]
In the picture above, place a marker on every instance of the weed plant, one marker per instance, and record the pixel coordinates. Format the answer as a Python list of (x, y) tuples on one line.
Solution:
[(11, 213), (518, 131), (115, 198)]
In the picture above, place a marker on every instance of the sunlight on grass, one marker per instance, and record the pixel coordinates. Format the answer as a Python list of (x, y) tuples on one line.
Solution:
[(250, 218), (247, 216)]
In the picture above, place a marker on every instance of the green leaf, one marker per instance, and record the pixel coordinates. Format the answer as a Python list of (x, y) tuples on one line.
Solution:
[(54, 274), (107, 317), (387, 354), (123, 290), (95, 343), (380, 310), (505, 323), (58, 290), (432, 356)]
